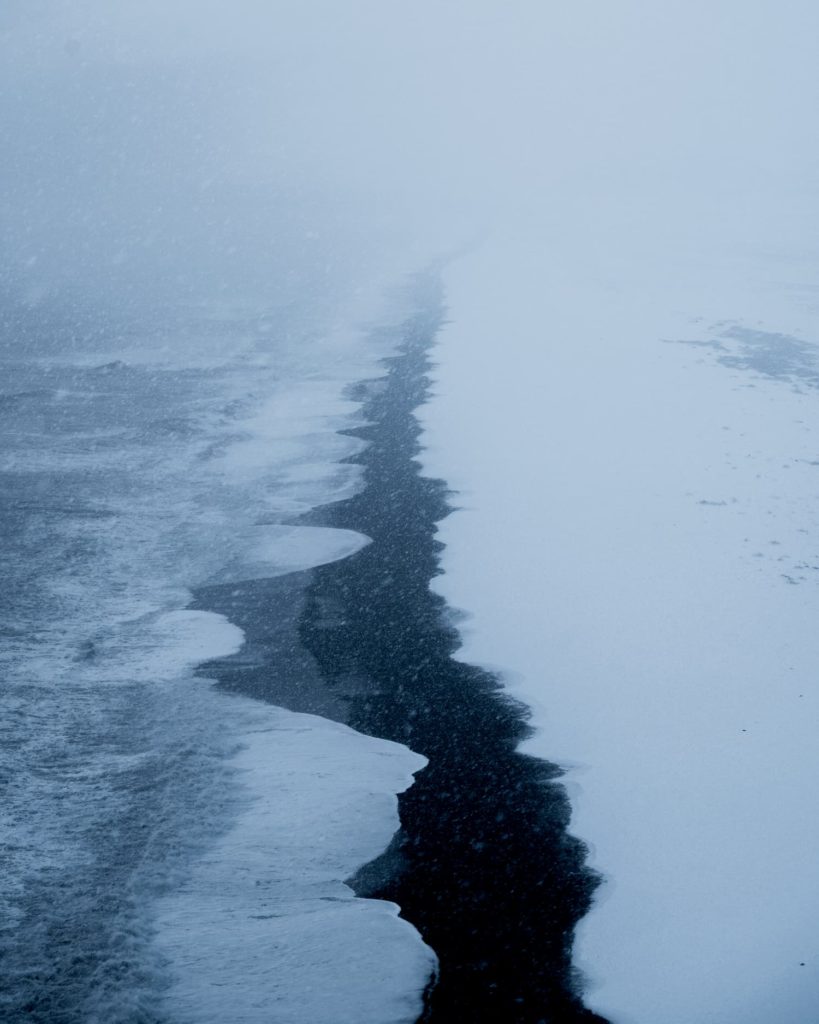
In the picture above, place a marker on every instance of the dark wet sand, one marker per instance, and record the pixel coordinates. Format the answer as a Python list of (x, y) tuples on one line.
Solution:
[(483, 864)]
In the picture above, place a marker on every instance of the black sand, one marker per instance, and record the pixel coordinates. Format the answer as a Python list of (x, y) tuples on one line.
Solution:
[(483, 864)]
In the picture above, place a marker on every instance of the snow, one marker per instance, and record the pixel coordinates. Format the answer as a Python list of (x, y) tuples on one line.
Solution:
[(646, 519), (635, 544)]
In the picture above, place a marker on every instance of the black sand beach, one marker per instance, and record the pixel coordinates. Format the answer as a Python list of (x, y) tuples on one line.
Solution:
[(484, 865)]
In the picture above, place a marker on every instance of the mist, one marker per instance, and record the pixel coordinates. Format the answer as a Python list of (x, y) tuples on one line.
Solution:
[(188, 145), (583, 182)]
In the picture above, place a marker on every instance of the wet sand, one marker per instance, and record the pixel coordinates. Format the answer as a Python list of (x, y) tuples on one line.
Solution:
[(483, 865)]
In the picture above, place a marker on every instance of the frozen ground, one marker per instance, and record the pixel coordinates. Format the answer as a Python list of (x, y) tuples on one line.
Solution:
[(637, 546)]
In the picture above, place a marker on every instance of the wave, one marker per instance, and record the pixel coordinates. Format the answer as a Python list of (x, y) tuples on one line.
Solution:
[(174, 847)]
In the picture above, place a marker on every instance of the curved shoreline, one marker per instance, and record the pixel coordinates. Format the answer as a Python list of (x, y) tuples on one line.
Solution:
[(484, 865)]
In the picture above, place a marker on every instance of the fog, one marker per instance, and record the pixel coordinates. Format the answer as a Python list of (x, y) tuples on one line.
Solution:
[(615, 169), (184, 144)]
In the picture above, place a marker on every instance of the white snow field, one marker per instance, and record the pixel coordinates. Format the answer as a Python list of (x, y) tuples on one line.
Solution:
[(637, 546)]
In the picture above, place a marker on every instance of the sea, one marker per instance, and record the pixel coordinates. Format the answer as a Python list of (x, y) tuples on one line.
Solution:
[(169, 851)]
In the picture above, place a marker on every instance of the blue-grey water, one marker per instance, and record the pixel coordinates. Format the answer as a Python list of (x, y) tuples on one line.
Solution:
[(135, 464)]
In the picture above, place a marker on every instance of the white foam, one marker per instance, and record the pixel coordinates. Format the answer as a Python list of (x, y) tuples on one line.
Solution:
[(268, 551), (122, 761), (161, 647), (263, 927)]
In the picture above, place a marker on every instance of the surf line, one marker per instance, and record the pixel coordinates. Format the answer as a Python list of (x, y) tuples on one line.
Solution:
[(484, 865)]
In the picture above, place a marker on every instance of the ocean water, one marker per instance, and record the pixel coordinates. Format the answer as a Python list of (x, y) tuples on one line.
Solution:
[(171, 852)]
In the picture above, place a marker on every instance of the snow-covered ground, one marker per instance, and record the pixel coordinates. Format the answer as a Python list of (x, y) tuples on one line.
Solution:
[(637, 546), (264, 927)]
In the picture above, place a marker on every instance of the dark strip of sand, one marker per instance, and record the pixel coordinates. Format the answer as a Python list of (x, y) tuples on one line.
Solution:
[(484, 865)]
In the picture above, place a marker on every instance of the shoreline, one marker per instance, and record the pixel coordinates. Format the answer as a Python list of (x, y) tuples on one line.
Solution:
[(483, 866)]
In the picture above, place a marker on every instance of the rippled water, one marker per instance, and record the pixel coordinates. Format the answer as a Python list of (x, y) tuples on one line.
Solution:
[(132, 470)]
